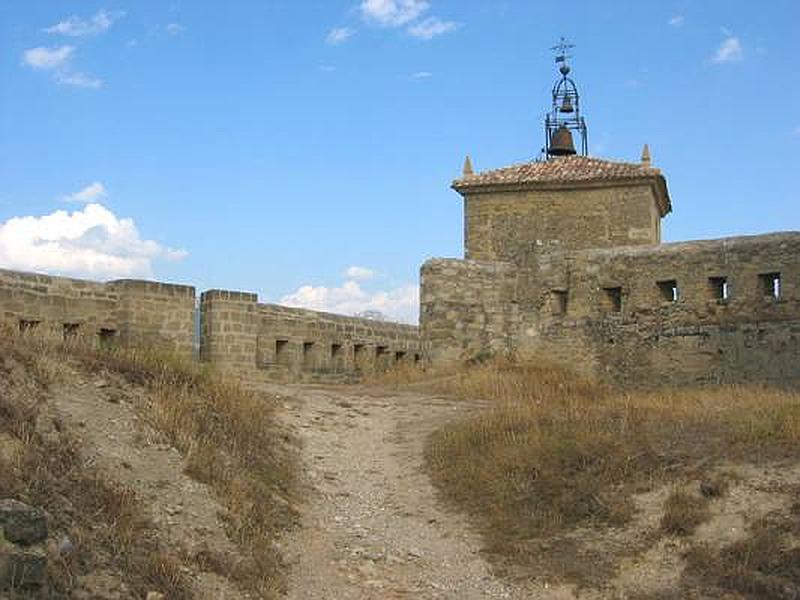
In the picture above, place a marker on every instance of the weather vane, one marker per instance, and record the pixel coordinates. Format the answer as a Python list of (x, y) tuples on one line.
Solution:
[(561, 49)]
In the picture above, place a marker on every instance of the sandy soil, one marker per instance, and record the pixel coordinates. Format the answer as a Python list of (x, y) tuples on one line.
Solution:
[(126, 449)]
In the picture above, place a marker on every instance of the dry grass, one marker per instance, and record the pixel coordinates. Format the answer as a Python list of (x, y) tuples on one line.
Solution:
[(556, 452), (764, 566), (683, 512), (230, 440), (104, 521)]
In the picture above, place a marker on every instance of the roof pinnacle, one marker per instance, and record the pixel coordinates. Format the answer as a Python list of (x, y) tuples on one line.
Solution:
[(468, 167), (646, 156)]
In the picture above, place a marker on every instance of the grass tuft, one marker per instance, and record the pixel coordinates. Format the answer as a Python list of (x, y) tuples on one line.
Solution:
[(683, 512)]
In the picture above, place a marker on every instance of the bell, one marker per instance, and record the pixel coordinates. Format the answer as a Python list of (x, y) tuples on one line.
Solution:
[(566, 105), (561, 143)]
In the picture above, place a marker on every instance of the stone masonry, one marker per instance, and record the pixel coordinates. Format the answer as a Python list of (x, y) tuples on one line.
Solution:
[(291, 344), (237, 333), (564, 261)]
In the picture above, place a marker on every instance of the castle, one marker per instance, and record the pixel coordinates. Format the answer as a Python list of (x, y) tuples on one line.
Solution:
[(563, 260)]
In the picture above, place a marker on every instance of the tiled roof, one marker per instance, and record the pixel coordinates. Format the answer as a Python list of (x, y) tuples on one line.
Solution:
[(566, 169)]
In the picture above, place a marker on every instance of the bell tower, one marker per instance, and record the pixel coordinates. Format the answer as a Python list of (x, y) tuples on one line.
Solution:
[(565, 114), (568, 201)]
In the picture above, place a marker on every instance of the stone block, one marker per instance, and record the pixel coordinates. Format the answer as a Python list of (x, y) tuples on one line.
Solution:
[(22, 524)]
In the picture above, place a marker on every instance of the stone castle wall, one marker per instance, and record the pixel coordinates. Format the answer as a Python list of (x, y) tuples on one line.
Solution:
[(691, 312), (290, 344), (127, 311), (237, 333)]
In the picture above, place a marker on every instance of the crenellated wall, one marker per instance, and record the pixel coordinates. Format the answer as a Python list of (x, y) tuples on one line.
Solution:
[(237, 334), (128, 311), (291, 344), (295, 343), (613, 312)]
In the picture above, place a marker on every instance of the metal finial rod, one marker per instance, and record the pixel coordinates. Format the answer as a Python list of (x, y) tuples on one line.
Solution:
[(561, 49)]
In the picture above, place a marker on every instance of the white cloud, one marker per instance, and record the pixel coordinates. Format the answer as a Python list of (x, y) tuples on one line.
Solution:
[(339, 35), (359, 273), (730, 50), (47, 58), (91, 193), (422, 75), (431, 28), (78, 79), (92, 242), (393, 13), (401, 304), (77, 27), (677, 21), (58, 60), (175, 29)]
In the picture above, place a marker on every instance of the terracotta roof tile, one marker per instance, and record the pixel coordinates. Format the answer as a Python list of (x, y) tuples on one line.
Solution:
[(566, 169)]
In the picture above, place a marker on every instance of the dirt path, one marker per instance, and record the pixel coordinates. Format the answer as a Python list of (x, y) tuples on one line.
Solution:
[(372, 527)]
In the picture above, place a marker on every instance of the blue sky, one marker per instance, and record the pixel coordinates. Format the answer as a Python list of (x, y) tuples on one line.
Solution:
[(270, 146)]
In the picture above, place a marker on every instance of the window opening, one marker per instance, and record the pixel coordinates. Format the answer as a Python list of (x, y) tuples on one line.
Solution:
[(107, 337), (668, 290), (559, 302), (28, 326), (718, 287), (771, 285), (613, 298), (70, 331)]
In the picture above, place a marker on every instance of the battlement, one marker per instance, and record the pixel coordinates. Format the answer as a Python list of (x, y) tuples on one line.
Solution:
[(236, 332), (125, 311), (688, 312), (295, 344)]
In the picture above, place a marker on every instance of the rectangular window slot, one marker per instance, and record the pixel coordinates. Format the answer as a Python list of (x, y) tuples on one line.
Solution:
[(70, 331), (668, 290), (417, 359), (718, 287), (107, 337), (381, 350), (28, 326), (613, 299), (358, 356), (282, 352), (336, 350), (771, 285), (308, 354), (399, 356), (559, 300)]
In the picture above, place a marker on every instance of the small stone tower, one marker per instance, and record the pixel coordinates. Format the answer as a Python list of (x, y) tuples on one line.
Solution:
[(565, 201)]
